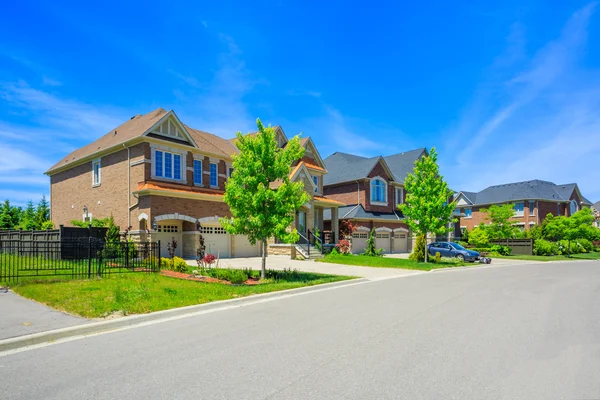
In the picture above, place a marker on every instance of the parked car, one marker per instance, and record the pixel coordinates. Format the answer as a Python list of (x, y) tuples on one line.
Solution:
[(451, 249)]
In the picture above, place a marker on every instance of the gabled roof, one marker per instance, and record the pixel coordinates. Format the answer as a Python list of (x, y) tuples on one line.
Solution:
[(526, 190), (344, 167), (358, 212), (140, 125)]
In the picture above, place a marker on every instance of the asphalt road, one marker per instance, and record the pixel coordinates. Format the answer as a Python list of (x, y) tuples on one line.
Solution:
[(517, 332)]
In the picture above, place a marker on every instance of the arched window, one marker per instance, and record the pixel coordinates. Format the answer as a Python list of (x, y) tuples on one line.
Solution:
[(378, 190), (574, 207)]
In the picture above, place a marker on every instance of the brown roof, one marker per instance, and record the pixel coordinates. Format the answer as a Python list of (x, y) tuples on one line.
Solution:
[(212, 143), (176, 188), (323, 199), (130, 129)]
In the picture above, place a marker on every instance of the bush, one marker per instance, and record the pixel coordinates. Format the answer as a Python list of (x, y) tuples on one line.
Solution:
[(587, 245), (478, 237), (418, 253), (501, 249), (463, 243), (576, 248), (343, 247), (237, 277), (179, 265), (289, 275), (543, 247), (335, 252)]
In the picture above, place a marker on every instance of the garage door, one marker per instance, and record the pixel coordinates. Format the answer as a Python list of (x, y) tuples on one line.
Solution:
[(243, 248), (382, 241), (166, 232), (359, 242), (400, 242), (216, 241)]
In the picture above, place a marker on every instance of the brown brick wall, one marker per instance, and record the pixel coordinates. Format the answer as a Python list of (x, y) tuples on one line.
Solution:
[(72, 189), (159, 205), (378, 170), (347, 192)]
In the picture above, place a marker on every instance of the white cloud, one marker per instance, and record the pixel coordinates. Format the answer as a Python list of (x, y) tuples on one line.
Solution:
[(545, 127)]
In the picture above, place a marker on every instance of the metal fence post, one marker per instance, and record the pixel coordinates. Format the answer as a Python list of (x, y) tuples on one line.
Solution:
[(89, 257), (158, 266)]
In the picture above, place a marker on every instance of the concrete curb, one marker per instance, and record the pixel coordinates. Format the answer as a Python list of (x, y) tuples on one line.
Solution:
[(134, 320)]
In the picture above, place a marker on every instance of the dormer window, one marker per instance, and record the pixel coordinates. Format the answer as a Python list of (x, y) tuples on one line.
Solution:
[(378, 191)]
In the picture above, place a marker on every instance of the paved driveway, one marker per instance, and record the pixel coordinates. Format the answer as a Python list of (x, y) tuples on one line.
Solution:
[(20, 316), (281, 262)]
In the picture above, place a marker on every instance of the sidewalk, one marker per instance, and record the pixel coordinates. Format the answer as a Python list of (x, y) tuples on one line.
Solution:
[(20, 316)]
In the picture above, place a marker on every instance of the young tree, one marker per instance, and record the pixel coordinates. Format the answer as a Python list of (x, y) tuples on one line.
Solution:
[(28, 220), (42, 213), (258, 209), (10, 216), (500, 226), (427, 209)]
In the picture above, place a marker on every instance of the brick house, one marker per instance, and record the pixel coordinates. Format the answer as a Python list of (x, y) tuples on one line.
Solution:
[(166, 180), (372, 188), (533, 201), (596, 211)]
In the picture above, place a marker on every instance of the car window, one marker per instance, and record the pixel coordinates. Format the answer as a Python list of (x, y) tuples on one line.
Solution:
[(458, 246), (445, 246)]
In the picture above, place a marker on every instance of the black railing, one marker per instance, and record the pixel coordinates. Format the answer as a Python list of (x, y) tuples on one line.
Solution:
[(304, 243), (74, 259)]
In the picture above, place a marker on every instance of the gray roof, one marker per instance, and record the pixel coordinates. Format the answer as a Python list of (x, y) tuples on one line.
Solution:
[(597, 205), (344, 167), (353, 211), (534, 190)]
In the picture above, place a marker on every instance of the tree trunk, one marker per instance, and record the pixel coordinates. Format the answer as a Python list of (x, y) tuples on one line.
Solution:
[(264, 259), (569, 249), (426, 248)]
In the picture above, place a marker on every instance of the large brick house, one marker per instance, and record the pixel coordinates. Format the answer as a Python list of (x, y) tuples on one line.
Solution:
[(533, 201), (166, 180), (372, 188)]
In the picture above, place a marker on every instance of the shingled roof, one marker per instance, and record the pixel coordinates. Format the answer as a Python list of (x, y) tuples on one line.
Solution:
[(344, 167), (534, 190)]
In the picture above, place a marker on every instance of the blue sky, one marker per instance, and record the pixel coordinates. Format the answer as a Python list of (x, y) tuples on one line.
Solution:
[(506, 92)]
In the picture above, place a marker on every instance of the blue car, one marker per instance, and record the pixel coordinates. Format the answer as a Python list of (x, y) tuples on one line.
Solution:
[(451, 249)]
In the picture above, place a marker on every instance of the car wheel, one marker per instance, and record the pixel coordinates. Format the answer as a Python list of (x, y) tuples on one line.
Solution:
[(460, 257)]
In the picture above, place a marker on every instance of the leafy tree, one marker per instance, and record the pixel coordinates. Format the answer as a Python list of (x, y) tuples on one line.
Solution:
[(28, 217), (426, 208), (259, 209), (478, 237), (500, 226), (42, 213), (577, 226)]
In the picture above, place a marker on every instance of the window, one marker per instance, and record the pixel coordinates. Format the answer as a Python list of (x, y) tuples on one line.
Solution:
[(167, 165), (316, 181), (96, 172), (197, 172), (168, 228), (214, 181), (531, 208), (573, 208), (158, 163), (468, 212), (378, 191), (519, 209), (399, 196)]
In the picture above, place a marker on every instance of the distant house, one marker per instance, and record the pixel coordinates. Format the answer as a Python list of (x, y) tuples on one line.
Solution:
[(596, 210), (372, 188), (533, 201)]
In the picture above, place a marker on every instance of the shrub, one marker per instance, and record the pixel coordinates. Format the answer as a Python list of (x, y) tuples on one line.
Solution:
[(438, 257), (418, 253), (208, 259), (478, 237), (237, 277), (335, 252), (575, 247), (179, 264), (370, 249), (501, 249), (289, 275), (463, 243), (543, 247), (343, 246), (587, 245)]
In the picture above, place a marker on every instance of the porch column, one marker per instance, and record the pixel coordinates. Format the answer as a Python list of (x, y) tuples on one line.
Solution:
[(335, 223)]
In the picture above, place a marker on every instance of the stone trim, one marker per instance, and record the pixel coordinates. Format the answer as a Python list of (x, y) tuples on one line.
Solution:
[(383, 229), (143, 216), (363, 229), (401, 230), (175, 216)]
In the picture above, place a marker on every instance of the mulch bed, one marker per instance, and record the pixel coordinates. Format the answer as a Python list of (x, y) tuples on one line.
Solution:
[(208, 279)]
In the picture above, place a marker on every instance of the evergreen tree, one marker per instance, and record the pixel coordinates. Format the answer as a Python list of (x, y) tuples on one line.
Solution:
[(28, 217), (42, 213)]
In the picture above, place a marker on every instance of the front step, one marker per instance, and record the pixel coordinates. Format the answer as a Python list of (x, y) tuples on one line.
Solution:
[(314, 252)]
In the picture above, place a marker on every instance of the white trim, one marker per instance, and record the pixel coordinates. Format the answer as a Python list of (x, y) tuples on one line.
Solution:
[(383, 229), (300, 171), (183, 130), (400, 230), (401, 188), (175, 216), (385, 191), (138, 162), (316, 153), (363, 229), (88, 215), (166, 149), (209, 219), (143, 216)]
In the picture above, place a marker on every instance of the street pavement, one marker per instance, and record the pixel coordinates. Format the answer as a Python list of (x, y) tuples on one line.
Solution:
[(513, 332), (20, 316)]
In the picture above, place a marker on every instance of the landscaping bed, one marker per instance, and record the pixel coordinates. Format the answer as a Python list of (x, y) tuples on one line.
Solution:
[(138, 293), (595, 255), (389, 262)]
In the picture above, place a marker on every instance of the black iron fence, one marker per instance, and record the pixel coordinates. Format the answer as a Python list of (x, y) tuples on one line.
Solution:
[(74, 259)]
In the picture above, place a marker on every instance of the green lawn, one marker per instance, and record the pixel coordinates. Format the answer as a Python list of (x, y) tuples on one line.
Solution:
[(582, 256), (138, 293), (387, 262)]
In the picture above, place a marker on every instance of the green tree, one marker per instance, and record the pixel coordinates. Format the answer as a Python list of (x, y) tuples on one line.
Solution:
[(10, 216), (113, 233), (28, 217), (96, 223), (577, 226), (418, 253), (427, 209), (42, 213), (500, 226), (258, 208), (370, 249), (478, 237)]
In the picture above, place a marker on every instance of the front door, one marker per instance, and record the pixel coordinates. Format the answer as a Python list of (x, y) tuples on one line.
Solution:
[(301, 223)]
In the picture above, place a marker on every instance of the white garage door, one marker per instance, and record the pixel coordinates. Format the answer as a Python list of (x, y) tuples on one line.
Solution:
[(382, 241), (359, 242), (400, 242), (243, 248), (216, 241), (166, 232)]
